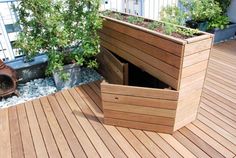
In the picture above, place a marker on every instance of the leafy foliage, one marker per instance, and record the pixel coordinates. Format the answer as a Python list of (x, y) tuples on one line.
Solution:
[(64, 29), (187, 31), (169, 24), (118, 16), (210, 11), (218, 22), (109, 13), (202, 10), (135, 20), (153, 25), (173, 16)]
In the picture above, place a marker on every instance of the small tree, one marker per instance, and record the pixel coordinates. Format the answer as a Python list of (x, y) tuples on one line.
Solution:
[(64, 29)]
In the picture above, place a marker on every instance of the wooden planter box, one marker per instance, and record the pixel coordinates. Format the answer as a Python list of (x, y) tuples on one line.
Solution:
[(180, 63)]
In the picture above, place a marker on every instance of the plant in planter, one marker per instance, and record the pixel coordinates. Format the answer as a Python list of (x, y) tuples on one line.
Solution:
[(201, 12), (169, 25), (66, 30), (206, 15), (173, 15), (221, 25), (173, 54)]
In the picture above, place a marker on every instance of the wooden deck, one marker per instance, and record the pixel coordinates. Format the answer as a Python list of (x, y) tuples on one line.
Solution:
[(69, 123)]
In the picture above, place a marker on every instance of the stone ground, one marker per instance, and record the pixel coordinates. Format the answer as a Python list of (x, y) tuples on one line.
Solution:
[(41, 87)]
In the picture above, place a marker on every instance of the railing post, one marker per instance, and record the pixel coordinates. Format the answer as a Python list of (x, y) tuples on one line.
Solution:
[(7, 39)]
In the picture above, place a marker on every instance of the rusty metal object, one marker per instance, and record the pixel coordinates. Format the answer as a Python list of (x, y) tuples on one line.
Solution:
[(8, 77)]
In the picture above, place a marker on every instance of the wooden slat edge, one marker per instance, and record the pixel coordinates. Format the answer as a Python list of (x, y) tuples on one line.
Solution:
[(139, 125), (139, 91), (171, 38)]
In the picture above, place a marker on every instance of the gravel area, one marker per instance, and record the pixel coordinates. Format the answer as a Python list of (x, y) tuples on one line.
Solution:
[(30, 90), (43, 87)]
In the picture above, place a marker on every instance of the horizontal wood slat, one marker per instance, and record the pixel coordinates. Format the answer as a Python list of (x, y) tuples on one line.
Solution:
[(193, 69), (188, 81), (138, 125), (196, 58), (135, 91), (148, 38), (139, 117), (158, 64), (139, 109), (197, 46), (136, 107), (141, 101), (156, 52)]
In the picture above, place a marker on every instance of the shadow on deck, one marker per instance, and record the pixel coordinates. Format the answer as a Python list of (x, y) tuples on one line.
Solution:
[(69, 123)]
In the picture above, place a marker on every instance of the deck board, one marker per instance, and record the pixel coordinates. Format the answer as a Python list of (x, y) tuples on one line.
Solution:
[(70, 123), (16, 141), (74, 144), (45, 130), (27, 141), (5, 145), (59, 137), (37, 137)]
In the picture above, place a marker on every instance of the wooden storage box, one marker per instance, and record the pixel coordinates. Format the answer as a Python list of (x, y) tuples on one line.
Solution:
[(180, 63)]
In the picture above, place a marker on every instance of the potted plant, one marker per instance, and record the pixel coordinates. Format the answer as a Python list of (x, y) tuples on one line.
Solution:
[(66, 30), (210, 15), (200, 12), (221, 26), (175, 55)]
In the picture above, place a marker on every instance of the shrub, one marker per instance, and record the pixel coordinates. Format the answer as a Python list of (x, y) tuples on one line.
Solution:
[(64, 29), (202, 10)]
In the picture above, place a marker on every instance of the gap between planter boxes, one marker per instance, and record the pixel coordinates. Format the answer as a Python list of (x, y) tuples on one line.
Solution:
[(181, 64)]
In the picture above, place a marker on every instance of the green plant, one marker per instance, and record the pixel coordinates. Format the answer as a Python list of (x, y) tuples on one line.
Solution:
[(107, 13), (154, 25), (173, 14), (218, 22), (212, 12), (135, 19), (169, 28), (115, 15), (64, 29), (187, 31), (201, 10), (118, 16)]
